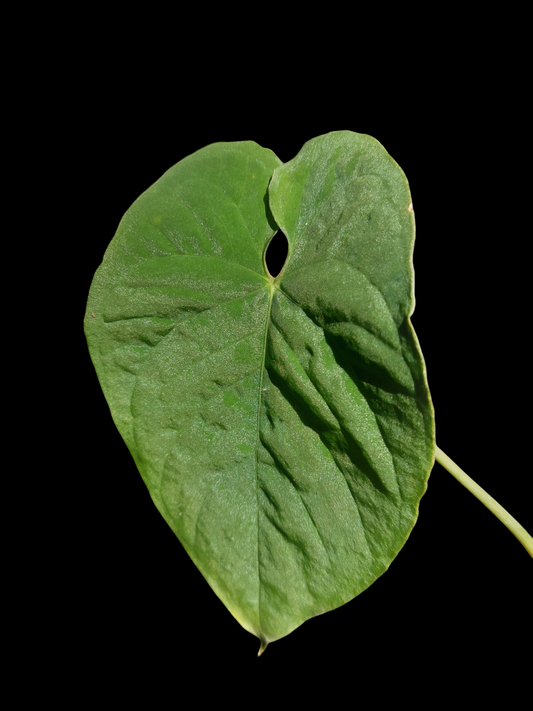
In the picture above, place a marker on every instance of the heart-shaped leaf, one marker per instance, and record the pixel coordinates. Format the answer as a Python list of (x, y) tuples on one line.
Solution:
[(283, 426)]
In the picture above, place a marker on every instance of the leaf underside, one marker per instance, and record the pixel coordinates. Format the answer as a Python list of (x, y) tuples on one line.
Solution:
[(283, 426)]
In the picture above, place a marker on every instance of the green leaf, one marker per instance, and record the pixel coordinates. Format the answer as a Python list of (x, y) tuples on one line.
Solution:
[(283, 426)]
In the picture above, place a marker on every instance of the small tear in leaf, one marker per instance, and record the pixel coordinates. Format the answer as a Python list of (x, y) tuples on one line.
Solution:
[(276, 253)]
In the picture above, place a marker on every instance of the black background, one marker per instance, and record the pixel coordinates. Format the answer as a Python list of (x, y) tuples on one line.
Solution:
[(457, 594)]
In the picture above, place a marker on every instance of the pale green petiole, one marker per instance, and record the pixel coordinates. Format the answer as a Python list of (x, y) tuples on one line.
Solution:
[(512, 524)]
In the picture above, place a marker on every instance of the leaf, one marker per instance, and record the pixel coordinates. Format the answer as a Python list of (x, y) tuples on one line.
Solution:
[(283, 426)]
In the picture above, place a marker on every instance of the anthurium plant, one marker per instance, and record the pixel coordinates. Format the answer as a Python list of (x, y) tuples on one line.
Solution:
[(282, 422)]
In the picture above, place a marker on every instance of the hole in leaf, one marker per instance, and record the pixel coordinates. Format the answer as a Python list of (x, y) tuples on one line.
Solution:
[(276, 253)]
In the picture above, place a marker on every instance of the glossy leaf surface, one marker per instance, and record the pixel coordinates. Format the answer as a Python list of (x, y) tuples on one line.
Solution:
[(282, 426)]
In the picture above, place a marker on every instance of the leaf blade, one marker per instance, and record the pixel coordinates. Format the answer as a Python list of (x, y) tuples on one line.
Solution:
[(283, 427)]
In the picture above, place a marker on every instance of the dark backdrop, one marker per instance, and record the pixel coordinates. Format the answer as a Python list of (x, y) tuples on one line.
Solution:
[(462, 582)]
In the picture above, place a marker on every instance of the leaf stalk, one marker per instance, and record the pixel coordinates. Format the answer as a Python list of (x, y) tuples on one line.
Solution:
[(518, 531)]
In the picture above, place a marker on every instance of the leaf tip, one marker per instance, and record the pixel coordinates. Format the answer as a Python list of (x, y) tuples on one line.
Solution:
[(262, 646)]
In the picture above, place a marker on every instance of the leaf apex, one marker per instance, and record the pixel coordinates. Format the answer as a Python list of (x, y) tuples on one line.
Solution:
[(262, 646)]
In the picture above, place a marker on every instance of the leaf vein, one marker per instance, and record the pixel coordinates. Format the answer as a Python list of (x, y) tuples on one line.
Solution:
[(197, 312), (347, 435), (282, 466), (259, 401)]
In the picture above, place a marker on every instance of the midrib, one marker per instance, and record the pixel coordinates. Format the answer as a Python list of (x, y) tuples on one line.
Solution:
[(273, 289)]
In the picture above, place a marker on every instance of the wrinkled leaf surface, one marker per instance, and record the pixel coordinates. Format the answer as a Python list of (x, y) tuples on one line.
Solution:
[(283, 426)]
